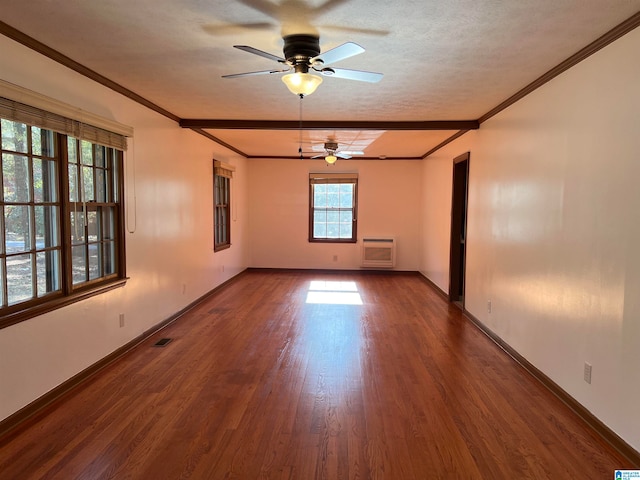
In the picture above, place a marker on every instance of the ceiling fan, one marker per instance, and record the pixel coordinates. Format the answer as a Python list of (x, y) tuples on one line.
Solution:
[(301, 55), (332, 153)]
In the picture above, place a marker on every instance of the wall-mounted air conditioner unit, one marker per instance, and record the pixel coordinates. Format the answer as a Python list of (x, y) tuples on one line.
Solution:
[(378, 252)]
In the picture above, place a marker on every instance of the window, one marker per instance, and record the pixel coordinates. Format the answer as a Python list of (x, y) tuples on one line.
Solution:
[(31, 246), (93, 196), (222, 174), (333, 200), (61, 226)]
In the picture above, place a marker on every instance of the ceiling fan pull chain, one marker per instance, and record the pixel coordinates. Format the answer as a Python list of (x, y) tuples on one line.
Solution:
[(300, 129)]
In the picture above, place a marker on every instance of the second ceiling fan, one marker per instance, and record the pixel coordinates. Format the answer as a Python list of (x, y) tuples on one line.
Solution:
[(302, 55), (332, 151)]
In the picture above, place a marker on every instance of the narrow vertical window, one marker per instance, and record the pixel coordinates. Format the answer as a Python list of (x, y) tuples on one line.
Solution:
[(94, 210), (222, 175), (30, 251), (333, 207)]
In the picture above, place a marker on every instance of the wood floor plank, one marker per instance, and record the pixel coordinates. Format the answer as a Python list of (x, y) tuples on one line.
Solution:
[(302, 375)]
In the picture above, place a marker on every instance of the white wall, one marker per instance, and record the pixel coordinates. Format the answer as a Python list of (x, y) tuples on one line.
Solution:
[(389, 195), (553, 238), (170, 258)]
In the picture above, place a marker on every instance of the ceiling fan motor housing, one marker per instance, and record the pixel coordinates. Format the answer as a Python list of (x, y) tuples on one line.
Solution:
[(331, 146), (298, 49)]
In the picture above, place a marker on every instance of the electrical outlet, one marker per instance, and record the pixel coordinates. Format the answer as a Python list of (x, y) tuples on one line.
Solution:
[(488, 306), (587, 372), (121, 319)]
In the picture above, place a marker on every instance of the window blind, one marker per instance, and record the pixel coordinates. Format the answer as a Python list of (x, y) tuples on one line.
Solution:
[(223, 169), (316, 178), (36, 117)]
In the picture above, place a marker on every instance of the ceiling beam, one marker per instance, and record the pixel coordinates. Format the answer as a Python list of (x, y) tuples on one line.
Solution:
[(297, 157), (220, 142), (327, 125), (443, 143)]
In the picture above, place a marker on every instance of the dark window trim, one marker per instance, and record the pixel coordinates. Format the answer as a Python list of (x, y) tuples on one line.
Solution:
[(70, 293), (339, 178), (58, 300), (224, 172), (333, 240), (225, 242)]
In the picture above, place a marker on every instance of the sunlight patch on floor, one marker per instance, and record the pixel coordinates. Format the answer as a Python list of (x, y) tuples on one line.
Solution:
[(333, 293)]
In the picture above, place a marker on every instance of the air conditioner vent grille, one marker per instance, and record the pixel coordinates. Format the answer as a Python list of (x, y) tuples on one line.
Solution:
[(378, 252)]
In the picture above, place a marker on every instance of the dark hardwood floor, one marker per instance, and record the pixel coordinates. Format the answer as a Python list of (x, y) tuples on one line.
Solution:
[(259, 382)]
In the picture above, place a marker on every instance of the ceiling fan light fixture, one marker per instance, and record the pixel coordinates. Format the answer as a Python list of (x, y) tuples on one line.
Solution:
[(302, 83), (330, 159)]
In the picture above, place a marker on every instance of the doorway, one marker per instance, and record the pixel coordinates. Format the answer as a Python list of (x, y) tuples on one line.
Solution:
[(458, 229)]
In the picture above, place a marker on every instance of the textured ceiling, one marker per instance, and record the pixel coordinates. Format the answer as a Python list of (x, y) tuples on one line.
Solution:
[(453, 60)]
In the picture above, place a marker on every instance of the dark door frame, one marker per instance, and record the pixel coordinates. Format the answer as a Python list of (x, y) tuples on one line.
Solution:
[(458, 248)]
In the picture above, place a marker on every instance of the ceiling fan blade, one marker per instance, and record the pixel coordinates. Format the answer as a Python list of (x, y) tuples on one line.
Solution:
[(361, 31), (342, 155), (359, 75), (260, 53), (349, 152), (319, 156), (341, 52), (230, 28), (249, 74)]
